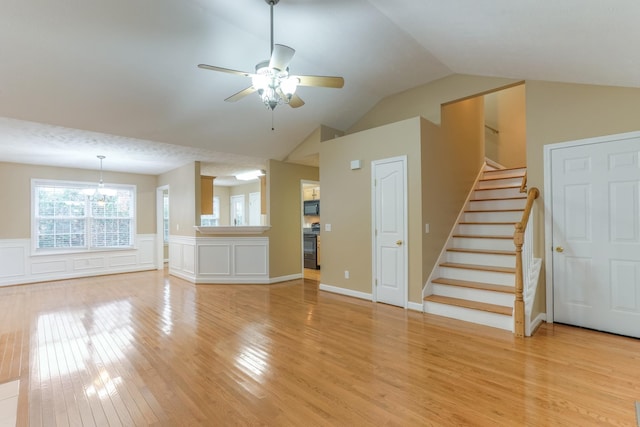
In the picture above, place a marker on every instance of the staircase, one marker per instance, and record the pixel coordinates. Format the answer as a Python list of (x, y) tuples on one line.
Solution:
[(475, 277)]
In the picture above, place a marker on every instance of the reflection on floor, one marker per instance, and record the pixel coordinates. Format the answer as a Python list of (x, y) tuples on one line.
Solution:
[(312, 274), (146, 348)]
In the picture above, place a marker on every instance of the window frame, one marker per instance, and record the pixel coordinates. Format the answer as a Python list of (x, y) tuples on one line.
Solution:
[(81, 185)]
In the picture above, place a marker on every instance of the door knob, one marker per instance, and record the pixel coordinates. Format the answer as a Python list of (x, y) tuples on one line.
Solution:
[(559, 249), (399, 242)]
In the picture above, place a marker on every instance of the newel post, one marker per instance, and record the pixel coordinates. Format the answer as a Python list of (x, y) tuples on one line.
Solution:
[(518, 240)]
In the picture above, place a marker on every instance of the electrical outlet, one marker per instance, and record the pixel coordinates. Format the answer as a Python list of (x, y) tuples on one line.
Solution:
[(346, 274), (426, 229)]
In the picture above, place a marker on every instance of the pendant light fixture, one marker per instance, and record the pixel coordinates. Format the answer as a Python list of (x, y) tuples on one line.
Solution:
[(101, 191)]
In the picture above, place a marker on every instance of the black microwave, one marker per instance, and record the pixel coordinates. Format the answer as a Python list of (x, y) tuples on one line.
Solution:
[(312, 207)]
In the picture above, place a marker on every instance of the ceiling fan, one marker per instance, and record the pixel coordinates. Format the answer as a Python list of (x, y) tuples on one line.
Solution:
[(272, 80)]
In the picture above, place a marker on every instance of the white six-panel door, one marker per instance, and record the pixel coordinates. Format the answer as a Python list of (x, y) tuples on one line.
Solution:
[(595, 208), (389, 221)]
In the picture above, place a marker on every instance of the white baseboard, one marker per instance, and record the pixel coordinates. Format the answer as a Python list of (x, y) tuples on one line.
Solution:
[(346, 292), (233, 280), (415, 306), (286, 278), (535, 323)]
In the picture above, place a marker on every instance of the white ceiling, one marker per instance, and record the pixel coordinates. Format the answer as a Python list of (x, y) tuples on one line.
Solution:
[(117, 77)]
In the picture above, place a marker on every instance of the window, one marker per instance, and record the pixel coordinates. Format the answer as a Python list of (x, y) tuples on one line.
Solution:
[(75, 216), (212, 220)]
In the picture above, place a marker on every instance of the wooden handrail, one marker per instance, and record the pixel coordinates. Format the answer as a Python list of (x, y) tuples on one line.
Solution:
[(518, 240), (523, 186)]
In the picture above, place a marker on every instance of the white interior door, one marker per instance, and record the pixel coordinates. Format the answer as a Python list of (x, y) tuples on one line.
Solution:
[(595, 206), (390, 241), (254, 208), (237, 209)]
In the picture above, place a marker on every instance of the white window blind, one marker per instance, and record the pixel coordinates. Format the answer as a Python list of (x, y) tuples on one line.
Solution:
[(79, 216)]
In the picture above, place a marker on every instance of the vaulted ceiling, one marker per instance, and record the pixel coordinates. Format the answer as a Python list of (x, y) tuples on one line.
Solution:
[(120, 77)]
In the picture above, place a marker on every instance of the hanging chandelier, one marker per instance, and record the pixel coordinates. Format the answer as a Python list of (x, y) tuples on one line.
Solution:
[(100, 192)]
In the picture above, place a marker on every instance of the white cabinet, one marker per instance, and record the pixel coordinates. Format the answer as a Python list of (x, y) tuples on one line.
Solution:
[(311, 193)]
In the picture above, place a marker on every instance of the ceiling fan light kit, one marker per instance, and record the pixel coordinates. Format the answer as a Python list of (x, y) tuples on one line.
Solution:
[(272, 80)]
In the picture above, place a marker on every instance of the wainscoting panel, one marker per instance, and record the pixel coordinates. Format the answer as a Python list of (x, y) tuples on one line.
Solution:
[(220, 259), (45, 266), (88, 263), (182, 257), (18, 265), (13, 254), (214, 259), (123, 260), (146, 249), (250, 259)]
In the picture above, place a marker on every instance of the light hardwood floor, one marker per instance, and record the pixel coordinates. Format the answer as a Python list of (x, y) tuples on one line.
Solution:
[(149, 349)]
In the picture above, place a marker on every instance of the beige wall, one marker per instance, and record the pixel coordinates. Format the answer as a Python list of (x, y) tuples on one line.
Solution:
[(307, 151), (223, 194), (285, 205), (426, 100), (16, 193), (184, 198), (558, 112), (555, 112), (245, 189), (346, 204), (505, 112), (452, 156)]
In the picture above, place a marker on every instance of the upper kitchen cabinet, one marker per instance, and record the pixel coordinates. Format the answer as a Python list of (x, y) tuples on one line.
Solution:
[(311, 193)]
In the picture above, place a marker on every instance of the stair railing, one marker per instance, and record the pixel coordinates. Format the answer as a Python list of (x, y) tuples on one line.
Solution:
[(523, 240)]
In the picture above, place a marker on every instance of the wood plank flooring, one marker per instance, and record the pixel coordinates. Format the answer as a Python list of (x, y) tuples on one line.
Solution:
[(149, 349)]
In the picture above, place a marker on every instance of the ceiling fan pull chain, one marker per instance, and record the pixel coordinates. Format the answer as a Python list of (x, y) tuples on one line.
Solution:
[(272, 127)]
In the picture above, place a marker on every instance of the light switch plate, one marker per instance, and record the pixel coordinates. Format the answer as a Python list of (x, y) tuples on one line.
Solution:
[(327, 227)]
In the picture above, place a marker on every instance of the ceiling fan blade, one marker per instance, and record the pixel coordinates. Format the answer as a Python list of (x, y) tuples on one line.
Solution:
[(296, 101), (321, 81), (281, 57), (224, 70), (239, 95)]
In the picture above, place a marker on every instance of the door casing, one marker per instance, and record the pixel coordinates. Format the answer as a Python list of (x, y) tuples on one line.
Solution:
[(405, 245), (548, 207)]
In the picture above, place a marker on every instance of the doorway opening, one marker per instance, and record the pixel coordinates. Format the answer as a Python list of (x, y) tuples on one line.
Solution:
[(162, 227), (310, 223)]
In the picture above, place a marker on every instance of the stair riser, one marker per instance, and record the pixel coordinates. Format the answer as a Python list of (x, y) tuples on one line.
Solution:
[(486, 229), (487, 205), (470, 294), (482, 259), (510, 216), (511, 173), (495, 183), (483, 244), (491, 277), (475, 316), (498, 193)]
